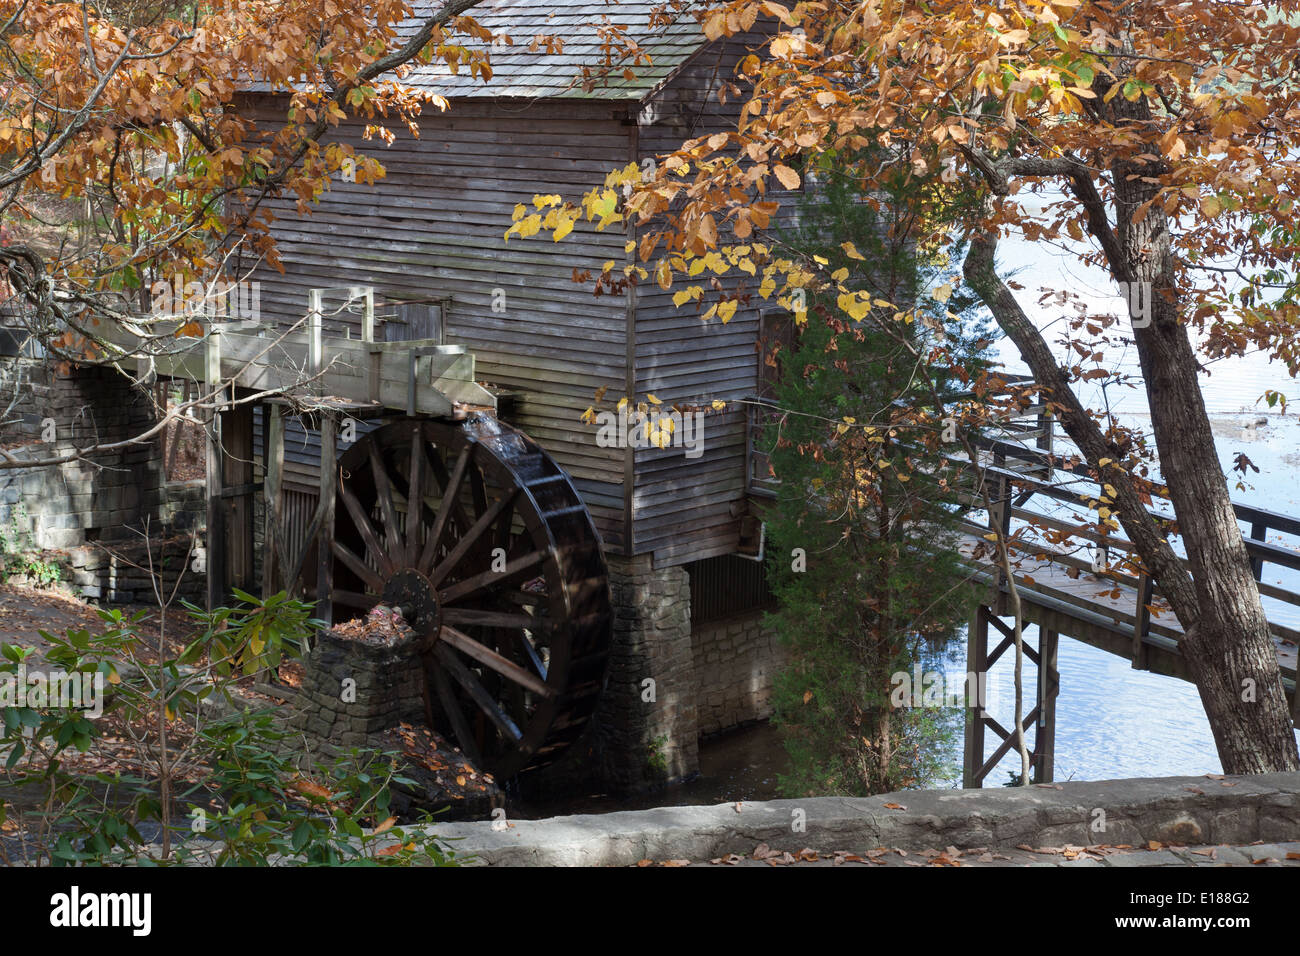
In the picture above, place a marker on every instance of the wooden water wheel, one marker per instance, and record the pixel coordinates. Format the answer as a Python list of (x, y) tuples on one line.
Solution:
[(479, 537)]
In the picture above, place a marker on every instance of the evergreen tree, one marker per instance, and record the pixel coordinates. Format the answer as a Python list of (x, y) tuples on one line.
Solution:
[(862, 534)]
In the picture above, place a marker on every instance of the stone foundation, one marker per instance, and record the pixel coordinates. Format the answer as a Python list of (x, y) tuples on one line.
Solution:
[(735, 661), (351, 689), (84, 516), (645, 731)]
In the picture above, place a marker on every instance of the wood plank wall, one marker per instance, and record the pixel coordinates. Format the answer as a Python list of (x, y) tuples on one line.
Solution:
[(686, 509), (434, 226)]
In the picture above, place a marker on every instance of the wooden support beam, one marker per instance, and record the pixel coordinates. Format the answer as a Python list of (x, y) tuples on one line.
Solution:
[(977, 642), (1258, 531), (273, 554), (216, 530), (237, 474), (1049, 686), (1142, 620), (315, 321), (329, 474)]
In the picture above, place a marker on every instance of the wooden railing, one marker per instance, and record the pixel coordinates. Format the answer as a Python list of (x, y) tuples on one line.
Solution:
[(1019, 469)]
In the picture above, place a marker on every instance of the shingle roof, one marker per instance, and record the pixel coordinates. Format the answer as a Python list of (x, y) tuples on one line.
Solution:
[(517, 72)]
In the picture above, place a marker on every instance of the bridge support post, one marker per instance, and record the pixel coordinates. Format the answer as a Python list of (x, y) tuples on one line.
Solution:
[(977, 647), (1041, 716), (1049, 685)]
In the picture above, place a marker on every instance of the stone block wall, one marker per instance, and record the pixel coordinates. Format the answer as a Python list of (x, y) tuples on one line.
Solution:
[(83, 515), (735, 659)]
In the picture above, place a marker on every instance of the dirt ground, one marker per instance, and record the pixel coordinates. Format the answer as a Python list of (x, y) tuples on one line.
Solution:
[(26, 611)]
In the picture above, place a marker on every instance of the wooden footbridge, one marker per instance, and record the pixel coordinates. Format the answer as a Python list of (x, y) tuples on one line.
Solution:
[(1092, 596)]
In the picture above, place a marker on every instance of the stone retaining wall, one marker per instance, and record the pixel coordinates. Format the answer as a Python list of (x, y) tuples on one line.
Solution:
[(1167, 810)]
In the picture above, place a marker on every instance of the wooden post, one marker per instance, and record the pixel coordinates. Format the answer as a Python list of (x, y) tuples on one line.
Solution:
[(314, 321), (329, 471), (216, 531), (977, 647), (1049, 686), (273, 496), (367, 295), (1142, 620), (1258, 532), (237, 480)]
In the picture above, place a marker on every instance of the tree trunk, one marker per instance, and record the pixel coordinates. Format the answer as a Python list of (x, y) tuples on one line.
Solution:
[(1227, 644)]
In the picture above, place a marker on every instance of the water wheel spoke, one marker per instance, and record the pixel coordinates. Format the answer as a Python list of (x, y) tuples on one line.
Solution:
[(465, 617), (358, 567), (525, 598), (470, 538), (490, 580), (533, 657), (490, 658), (450, 502), (365, 529), (504, 528), (354, 599), (415, 496), (384, 492), (451, 707), (478, 492), (478, 693)]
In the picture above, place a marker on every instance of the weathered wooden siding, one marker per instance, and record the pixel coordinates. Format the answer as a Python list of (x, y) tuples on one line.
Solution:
[(434, 226), (687, 509)]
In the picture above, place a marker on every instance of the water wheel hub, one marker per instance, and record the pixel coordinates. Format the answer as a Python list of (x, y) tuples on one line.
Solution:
[(412, 593)]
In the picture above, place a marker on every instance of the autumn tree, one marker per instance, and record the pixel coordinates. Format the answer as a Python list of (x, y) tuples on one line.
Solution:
[(129, 157), (1162, 139)]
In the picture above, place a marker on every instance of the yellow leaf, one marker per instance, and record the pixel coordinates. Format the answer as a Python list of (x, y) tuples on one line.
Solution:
[(851, 250), (651, 398), (563, 229), (718, 405), (942, 293), (726, 310)]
